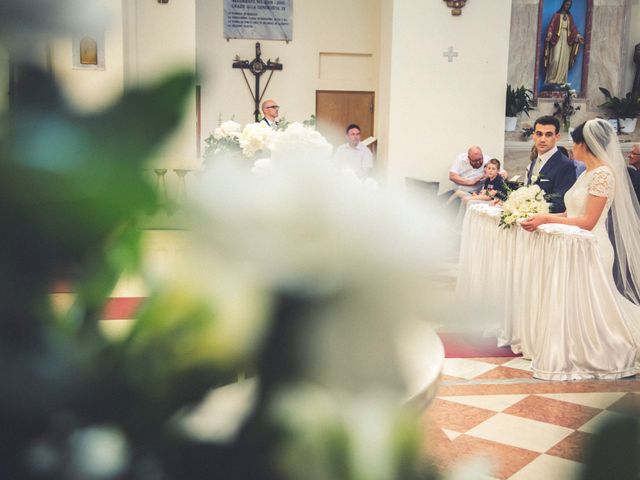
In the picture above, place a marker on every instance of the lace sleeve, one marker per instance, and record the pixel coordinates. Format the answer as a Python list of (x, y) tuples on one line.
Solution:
[(601, 184)]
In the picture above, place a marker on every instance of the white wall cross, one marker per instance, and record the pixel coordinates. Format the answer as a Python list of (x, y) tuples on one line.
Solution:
[(450, 54)]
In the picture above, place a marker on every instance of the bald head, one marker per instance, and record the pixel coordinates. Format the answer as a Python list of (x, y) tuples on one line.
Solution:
[(474, 154), (270, 110)]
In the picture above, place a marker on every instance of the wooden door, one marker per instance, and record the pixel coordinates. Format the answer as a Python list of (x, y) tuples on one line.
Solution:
[(335, 110)]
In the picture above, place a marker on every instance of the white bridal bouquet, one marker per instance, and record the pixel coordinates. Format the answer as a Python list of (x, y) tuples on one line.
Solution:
[(521, 204)]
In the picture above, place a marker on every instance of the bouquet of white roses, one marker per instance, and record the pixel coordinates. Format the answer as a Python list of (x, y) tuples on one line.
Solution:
[(521, 204)]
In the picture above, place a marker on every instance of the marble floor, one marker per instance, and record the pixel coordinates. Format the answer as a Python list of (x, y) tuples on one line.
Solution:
[(492, 409), (487, 412)]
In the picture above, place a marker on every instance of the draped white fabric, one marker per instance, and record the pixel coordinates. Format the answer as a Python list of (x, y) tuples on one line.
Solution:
[(556, 305)]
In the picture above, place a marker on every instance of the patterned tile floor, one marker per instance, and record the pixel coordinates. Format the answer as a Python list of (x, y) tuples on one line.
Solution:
[(485, 407), (527, 428)]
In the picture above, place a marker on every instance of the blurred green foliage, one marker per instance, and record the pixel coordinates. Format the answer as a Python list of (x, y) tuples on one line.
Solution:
[(76, 405)]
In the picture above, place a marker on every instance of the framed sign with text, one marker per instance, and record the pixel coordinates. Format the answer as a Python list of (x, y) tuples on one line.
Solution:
[(258, 19)]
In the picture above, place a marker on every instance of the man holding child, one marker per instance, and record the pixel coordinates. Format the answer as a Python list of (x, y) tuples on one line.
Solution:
[(467, 170)]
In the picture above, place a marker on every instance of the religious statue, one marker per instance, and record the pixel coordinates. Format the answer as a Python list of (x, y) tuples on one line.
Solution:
[(636, 79), (561, 45)]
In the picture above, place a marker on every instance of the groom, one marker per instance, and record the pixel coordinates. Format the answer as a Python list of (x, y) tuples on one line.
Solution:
[(551, 169)]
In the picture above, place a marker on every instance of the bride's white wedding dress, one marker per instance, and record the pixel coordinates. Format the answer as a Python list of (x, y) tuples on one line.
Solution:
[(601, 343)]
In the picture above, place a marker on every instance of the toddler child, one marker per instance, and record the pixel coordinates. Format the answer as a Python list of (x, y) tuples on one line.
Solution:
[(494, 186)]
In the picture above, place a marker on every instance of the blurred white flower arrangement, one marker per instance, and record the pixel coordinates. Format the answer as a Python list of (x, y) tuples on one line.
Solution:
[(255, 138), (276, 148), (224, 139), (299, 141), (260, 140), (521, 204)]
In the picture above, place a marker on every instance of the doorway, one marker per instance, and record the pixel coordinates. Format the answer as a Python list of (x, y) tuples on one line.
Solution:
[(335, 110)]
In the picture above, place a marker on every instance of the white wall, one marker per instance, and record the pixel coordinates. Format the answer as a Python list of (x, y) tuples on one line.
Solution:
[(144, 41), (384, 87), (328, 26), (159, 39), (88, 89), (436, 108)]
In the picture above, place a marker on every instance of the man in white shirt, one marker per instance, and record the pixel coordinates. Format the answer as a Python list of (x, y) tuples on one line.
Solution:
[(467, 170), (270, 112), (353, 155)]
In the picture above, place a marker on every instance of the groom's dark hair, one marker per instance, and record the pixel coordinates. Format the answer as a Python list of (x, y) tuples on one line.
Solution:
[(548, 120)]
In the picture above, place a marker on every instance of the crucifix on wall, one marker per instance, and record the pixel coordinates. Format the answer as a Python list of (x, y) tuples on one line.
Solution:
[(257, 66)]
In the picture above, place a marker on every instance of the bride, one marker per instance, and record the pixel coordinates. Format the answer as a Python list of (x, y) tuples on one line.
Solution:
[(599, 344)]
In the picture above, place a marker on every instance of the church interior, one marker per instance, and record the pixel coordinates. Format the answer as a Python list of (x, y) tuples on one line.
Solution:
[(280, 350)]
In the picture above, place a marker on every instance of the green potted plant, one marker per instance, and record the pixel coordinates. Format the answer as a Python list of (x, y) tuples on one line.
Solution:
[(519, 100), (624, 111)]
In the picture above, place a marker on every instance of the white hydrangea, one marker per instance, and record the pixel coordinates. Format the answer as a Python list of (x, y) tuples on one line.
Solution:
[(364, 255), (228, 129), (304, 143), (262, 166), (255, 137)]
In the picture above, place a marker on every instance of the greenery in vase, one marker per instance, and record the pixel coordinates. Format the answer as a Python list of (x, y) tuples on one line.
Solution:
[(625, 107), (565, 109), (519, 100)]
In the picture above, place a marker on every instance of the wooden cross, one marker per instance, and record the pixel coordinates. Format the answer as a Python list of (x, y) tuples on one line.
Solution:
[(257, 67), (450, 54)]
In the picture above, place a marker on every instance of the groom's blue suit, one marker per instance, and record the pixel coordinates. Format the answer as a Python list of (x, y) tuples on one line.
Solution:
[(557, 176)]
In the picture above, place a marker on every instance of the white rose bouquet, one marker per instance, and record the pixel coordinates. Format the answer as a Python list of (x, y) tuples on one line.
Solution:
[(521, 204)]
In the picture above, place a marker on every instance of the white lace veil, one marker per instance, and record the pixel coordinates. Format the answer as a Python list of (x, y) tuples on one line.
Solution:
[(624, 219)]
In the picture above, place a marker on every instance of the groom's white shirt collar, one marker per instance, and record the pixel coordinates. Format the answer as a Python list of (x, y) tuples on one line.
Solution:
[(546, 156)]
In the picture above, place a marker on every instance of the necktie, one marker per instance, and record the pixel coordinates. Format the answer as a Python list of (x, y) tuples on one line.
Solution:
[(531, 168), (537, 167)]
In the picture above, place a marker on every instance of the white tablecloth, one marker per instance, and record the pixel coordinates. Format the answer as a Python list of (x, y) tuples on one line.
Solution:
[(537, 280)]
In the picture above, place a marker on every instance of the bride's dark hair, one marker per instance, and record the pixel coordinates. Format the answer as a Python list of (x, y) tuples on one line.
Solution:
[(577, 135), (598, 133)]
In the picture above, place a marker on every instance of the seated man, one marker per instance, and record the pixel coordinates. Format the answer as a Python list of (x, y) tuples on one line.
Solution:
[(353, 155), (467, 172)]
